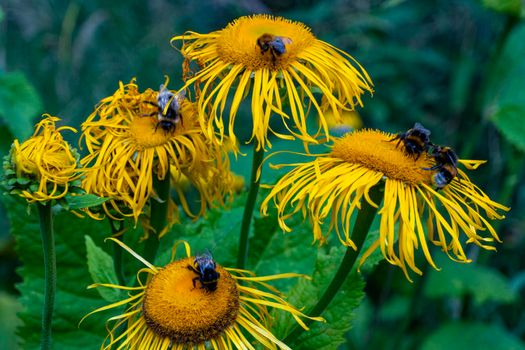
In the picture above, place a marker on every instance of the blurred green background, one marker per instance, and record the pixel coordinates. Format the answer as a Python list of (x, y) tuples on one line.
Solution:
[(456, 66)]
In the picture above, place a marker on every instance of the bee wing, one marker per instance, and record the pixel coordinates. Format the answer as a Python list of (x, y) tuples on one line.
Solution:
[(180, 96), (286, 41)]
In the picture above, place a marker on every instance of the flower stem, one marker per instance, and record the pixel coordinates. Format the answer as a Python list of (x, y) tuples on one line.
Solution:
[(362, 225), (117, 251), (258, 155), (158, 215), (50, 266)]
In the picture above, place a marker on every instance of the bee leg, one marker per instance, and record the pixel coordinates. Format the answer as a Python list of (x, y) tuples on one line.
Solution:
[(194, 280), (191, 268)]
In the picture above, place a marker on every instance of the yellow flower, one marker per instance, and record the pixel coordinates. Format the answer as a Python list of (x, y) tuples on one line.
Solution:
[(43, 167), (412, 211), (127, 148), (174, 310), (282, 64)]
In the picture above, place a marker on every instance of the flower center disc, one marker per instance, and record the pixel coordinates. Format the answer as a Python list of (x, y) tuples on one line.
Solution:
[(174, 308), (237, 43), (146, 134), (379, 151)]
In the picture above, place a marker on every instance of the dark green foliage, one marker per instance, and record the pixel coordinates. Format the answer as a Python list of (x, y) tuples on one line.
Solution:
[(19, 104), (463, 335), (457, 280), (456, 66), (73, 300)]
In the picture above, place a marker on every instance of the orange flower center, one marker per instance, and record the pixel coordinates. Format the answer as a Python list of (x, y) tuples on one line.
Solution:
[(237, 43), (379, 151), (176, 305)]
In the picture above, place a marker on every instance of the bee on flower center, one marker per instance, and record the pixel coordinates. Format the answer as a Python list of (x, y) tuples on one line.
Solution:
[(276, 45), (205, 268), (168, 109), (415, 140), (446, 166)]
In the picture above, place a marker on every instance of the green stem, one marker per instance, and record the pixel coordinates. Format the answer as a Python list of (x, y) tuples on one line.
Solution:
[(362, 225), (158, 216), (117, 251), (258, 155), (50, 266)]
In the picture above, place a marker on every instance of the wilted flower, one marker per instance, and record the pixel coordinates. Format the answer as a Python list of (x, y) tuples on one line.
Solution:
[(44, 166), (127, 149)]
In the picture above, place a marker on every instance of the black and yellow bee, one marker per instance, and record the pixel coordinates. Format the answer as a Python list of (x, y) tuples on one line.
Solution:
[(446, 166), (205, 268), (168, 109), (415, 140), (276, 45)]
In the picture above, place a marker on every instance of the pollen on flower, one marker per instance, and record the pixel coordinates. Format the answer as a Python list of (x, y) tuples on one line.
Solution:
[(145, 133), (237, 43), (378, 151), (175, 308)]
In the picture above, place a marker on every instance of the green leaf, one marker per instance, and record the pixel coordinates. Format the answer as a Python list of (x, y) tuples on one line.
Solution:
[(264, 228), (218, 232), (19, 104), (479, 336), (504, 102), (456, 280), (84, 201), (73, 299), (339, 314), (100, 265), (511, 7), (509, 121)]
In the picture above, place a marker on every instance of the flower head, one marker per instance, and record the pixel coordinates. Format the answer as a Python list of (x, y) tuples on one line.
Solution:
[(128, 146), (281, 63), (43, 167), (174, 308), (412, 212)]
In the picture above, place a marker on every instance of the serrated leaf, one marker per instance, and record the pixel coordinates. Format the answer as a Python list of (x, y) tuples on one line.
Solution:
[(19, 104), (218, 232), (339, 314), (100, 266), (504, 100), (73, 300), (84, 201), (479, 336), (456, 280)]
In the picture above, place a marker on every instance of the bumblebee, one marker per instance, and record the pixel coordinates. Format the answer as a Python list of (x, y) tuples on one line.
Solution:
[(273, 43), (446, 166), (416, 140), (204, 267), (168, 109)]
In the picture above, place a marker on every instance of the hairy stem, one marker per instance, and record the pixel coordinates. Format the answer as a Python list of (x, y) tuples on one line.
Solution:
[(50, 266)]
